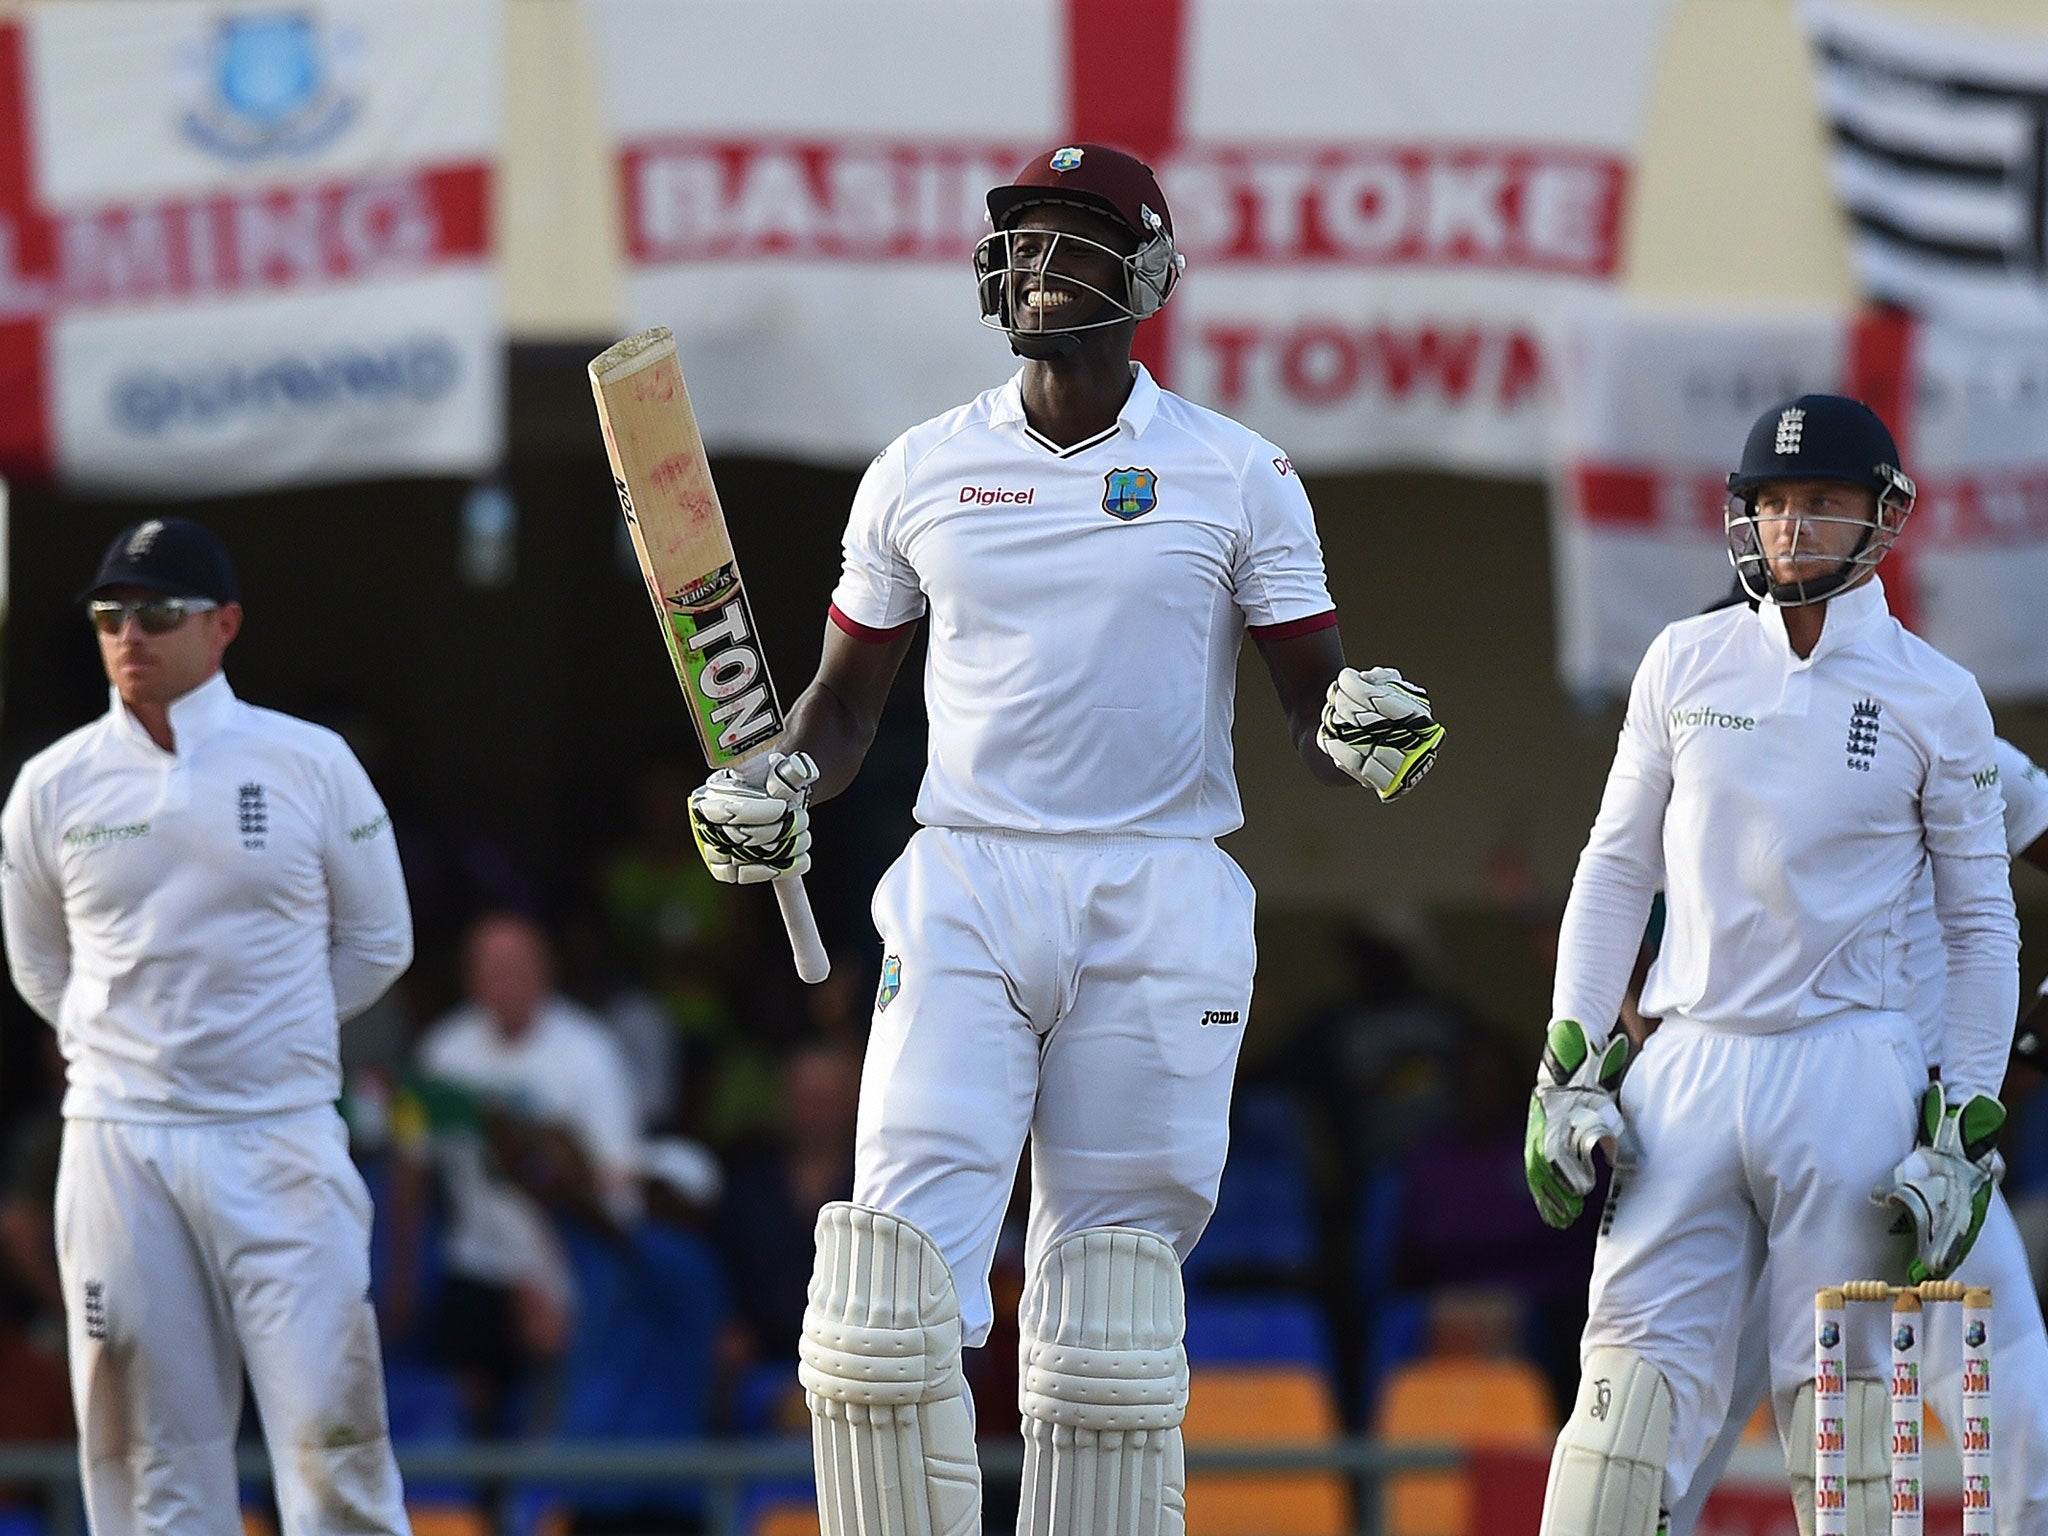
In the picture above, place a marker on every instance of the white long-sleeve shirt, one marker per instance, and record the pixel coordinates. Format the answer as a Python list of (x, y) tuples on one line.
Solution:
[(2023, 786), (196, 923), (1789, 807)]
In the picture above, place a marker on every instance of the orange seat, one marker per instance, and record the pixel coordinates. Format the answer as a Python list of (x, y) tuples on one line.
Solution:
[(1464, 1401), (791, 1517), (447, 1520), (1264, 1404)]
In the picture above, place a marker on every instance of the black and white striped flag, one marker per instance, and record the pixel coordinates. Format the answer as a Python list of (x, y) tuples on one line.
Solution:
[(1940, 157)]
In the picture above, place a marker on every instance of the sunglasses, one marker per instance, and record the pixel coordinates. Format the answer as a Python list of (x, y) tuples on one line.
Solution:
[(156, 615)]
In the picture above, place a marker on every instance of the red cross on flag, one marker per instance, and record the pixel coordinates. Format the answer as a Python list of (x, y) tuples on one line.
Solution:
[(1657, 403), (1385, 204)]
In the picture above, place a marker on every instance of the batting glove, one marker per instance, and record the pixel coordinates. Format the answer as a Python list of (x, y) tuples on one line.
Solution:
[(749, 833), (1943, 1187), (1377, 727), (1572, 1111)]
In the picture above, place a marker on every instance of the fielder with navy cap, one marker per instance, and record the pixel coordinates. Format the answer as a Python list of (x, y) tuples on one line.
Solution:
[(195, 893), (1790, 776), (1067, 954)]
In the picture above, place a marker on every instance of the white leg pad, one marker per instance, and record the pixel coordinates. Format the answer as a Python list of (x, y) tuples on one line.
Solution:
[(1103, 1385), (1867, 1428), (892, 1429), (1607, 1473)]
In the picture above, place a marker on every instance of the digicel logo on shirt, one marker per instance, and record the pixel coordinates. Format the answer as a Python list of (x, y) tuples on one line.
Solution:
[(993, 495)]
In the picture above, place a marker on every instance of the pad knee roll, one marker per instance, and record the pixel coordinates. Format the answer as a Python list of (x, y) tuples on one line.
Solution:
[(1103, 1385), (892, 1430), (1607, 1473), (1865, 1432)]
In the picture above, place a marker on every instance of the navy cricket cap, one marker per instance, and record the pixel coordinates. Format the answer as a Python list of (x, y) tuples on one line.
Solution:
[(171, 555), (1819, 437)]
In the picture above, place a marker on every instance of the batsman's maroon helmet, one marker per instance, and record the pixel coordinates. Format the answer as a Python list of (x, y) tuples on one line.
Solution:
[(1102, 180), (1092, 176)]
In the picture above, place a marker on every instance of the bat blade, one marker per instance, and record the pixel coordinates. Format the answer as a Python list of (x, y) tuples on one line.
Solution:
[(679, 534)]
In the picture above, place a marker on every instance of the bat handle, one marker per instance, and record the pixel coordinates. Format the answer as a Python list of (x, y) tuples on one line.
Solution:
[(812, 963)]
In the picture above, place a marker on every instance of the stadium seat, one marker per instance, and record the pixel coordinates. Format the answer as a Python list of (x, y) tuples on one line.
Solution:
[(1245, 1404), (1464, 1401), (1259, 1330), (446, 1519), (640, 1359), (1264, 1225), (784, 1517)]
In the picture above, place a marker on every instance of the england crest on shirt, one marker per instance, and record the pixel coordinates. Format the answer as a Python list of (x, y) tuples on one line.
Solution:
[(1130, 493)]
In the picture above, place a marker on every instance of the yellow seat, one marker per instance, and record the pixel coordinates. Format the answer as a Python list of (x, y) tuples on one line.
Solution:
[(1466, 1401), (1264, 1404)]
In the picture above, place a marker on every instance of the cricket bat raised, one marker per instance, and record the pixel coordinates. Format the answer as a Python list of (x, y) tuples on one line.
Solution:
[(679, 533)]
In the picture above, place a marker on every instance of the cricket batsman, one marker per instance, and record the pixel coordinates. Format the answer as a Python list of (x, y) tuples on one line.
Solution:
[(1067, 954)]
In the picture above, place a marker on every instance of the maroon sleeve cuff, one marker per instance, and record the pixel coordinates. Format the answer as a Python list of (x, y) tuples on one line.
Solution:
[(1327, 619), (865, 632)]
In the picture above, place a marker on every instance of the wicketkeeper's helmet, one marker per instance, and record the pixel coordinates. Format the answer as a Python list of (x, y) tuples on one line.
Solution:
[(1816, 437)]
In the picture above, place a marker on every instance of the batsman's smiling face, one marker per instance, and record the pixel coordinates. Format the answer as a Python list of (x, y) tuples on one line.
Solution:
[(1063, 262), (153, 670)]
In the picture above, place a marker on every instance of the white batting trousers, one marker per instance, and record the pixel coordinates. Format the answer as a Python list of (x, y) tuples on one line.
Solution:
[(1751, 1144), (187, 1253), (1089, 992)]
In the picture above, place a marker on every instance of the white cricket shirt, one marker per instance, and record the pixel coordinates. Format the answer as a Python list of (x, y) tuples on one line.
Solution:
[(2024, 787), (1789, 807), (565, 1070), (1087, 605), (195, 924)]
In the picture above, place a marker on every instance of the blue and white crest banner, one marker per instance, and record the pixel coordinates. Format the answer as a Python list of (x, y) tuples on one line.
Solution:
[(247, 243)]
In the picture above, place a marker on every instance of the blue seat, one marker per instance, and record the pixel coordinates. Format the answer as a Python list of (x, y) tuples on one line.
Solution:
[(1259, 1330), (640, 1361), (1266, 1123), (379, 1172), (1264, 1225), (426, 1409)]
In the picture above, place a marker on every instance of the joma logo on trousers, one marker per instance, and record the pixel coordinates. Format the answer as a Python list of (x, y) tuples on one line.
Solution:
[(1213, 1017)]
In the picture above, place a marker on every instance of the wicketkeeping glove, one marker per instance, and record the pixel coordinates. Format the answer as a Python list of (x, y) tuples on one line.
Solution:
[(1943, 1187), (1572, 1111), (752, 832), (1377, 727)]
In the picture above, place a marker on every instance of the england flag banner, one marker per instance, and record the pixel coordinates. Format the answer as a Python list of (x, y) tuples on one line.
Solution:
[(1385, 204), (248, 244), (1656, 404), (1940, 158)]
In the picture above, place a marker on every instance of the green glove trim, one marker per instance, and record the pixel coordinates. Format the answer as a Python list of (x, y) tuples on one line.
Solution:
[(1556, 1204)]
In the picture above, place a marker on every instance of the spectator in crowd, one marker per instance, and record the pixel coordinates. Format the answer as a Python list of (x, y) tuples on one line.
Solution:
[(773, 1191), (36, 1401), (552, 1129), (1375, 1067), (595, 977), (1490, 1236)]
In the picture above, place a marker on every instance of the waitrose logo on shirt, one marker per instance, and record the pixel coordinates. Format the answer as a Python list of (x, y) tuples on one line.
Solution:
[(99, 834), (1706, 714)]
